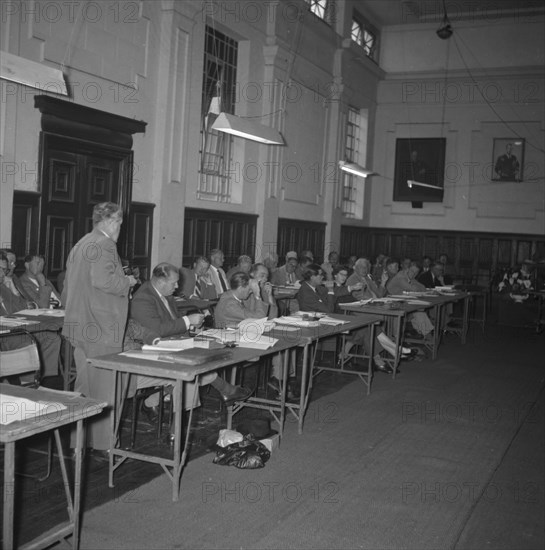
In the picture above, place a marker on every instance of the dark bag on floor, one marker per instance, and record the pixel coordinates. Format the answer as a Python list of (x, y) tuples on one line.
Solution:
[(246, 454)]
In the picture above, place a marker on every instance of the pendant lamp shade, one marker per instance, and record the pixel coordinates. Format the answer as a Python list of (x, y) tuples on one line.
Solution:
[(353, 168), (248, 129), (410, 184)]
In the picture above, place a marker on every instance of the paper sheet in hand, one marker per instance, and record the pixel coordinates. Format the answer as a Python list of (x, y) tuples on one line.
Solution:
[(15, 409)]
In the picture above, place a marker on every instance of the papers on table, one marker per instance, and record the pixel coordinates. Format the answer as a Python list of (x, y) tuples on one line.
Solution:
[(42, 311), (332, 321), (249, 334), (15, 409), (14, 322), (142, 354), (170, 345), (298, 320)]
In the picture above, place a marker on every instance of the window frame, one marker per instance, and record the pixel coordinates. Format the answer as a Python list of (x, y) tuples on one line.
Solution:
[(365, 28), (216, 153)]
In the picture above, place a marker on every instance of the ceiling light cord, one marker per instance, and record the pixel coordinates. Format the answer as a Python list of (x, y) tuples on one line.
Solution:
[(444, 32)]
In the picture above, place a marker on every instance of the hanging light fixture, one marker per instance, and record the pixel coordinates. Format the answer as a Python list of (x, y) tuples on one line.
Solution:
[(30, 73), (445, 30), (410, 184), (248, 129), (353, 168)]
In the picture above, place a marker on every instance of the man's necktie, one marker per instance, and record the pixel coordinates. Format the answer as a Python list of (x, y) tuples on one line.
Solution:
[(221, 275), (198, 289)]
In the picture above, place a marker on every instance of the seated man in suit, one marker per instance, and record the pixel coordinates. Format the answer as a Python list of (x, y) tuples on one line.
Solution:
[(154, 308), (435, 276), (313, 295), (217, 275), (11, 280), (362, 275), (196, 282), (285, 275), (34, 284), (244, 264), (405, 280), (48, 342), (332, 261), (246, 300)]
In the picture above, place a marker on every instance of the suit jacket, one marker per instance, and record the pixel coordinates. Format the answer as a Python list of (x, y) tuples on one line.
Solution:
[(148, 309), (400, 282), (230, 311), (280, 277), (189, 279), (10, 303), (370, 288), (95, 294), (342, 296), (319, 300), (217, 275), (429, 281), (36, 293)]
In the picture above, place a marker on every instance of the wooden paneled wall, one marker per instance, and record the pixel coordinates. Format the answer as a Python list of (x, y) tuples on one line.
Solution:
[(476, 257), (205, 230), (300, 235)]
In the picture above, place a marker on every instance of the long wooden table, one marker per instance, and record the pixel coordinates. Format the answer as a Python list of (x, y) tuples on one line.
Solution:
[(308, 340), (52, 418), (179, 374), (398, 310)]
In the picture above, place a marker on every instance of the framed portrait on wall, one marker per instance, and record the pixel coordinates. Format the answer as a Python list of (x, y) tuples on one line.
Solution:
[(508, 159), (419, 170)]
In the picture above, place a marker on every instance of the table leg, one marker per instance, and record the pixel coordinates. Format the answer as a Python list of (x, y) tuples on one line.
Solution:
[(465, 320), (113, 435), (177, 394), (9, 494), (80, 438), (304, 389), (399, 343), (438, 330), (284, 389)]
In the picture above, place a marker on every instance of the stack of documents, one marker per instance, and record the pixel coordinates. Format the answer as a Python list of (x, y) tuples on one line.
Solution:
[(295, 321), (249, 334)]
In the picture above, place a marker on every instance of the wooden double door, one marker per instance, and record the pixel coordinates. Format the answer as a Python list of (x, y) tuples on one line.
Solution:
[(77, 175)]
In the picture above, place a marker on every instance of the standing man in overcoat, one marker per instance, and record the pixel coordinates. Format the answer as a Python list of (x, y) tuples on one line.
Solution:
[(96, 298)]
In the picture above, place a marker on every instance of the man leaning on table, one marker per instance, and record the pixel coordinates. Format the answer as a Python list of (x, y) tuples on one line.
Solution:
[(96, 299), (153, 306)]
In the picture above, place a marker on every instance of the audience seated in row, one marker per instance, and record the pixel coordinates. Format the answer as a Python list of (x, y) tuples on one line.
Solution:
[(49, 342), (153, 307), (314, 296)]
